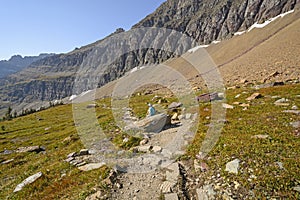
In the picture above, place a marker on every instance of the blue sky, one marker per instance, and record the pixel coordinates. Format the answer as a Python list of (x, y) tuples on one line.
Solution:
[(30, 27)]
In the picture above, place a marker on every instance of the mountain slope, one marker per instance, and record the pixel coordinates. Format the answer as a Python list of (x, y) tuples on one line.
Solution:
[(205, 21)]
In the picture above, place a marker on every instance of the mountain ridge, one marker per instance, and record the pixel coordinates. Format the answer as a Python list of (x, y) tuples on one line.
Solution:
[(58, 72), (17, 63)]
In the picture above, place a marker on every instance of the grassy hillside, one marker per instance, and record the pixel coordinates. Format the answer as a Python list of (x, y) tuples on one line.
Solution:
[(54, 129)]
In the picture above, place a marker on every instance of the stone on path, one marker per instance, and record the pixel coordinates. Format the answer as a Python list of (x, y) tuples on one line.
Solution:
[(28, 181), (174, 105), (206, 193), (233, 166), (171, 196), (172, 172), (91, 166), (166, 187), (156, 149), (94, 196), (152, 124)]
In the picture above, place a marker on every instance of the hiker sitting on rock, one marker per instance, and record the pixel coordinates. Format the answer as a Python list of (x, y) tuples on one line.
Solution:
[(151, 110)]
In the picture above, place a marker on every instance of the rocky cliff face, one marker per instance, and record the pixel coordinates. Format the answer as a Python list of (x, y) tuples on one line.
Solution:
[(94, 65), (209, 20)]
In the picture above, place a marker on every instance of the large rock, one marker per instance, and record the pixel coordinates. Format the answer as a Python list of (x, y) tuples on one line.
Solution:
[(28, 181), (152, 124)]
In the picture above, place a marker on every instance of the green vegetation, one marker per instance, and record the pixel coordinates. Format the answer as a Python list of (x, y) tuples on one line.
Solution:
[(51, 127)]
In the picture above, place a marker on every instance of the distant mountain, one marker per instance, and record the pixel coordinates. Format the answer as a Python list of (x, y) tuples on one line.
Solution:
[(203, 20), (17, 63)]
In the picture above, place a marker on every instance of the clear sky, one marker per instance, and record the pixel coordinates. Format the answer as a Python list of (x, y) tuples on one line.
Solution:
[(30, 27)]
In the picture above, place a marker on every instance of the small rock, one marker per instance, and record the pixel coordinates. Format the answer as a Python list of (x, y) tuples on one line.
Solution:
[(172, 173), (297, 188), (69, 159), (91, 166), (83, 152), (296, 112), (254, 96), (156, 149), (245, 105), (227, 106), (237, 96), (295, 108), (36, 149), (206, 193), (91, 106), (175, 116), (280, 165), (204, 167), (28, 181), (243, 81), (188, 116), (7, 161), (94, 196), (166, 187), (180, 117), (119, 185), (47, 129), (233, 166), (171, 196), (144, 141), (261, 136), (275, 97), (295, 124), (197, 166), (73, 154), (125, 140), (7, 152), (225, 196), (236, 185), (144, 149), (282, 100), (174, 105)]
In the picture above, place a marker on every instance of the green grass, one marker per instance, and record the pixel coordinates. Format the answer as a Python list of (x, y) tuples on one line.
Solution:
[(259, 155), (50, 127)]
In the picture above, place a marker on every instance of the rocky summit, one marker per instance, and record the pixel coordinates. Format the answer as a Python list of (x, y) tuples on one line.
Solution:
[(204, 21)]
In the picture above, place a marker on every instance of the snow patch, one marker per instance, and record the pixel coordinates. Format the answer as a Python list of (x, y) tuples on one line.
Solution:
[(267, 22), (84, 93), (133, 70), (215, 42), (240, 33), (72, 97), (196, 48)]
